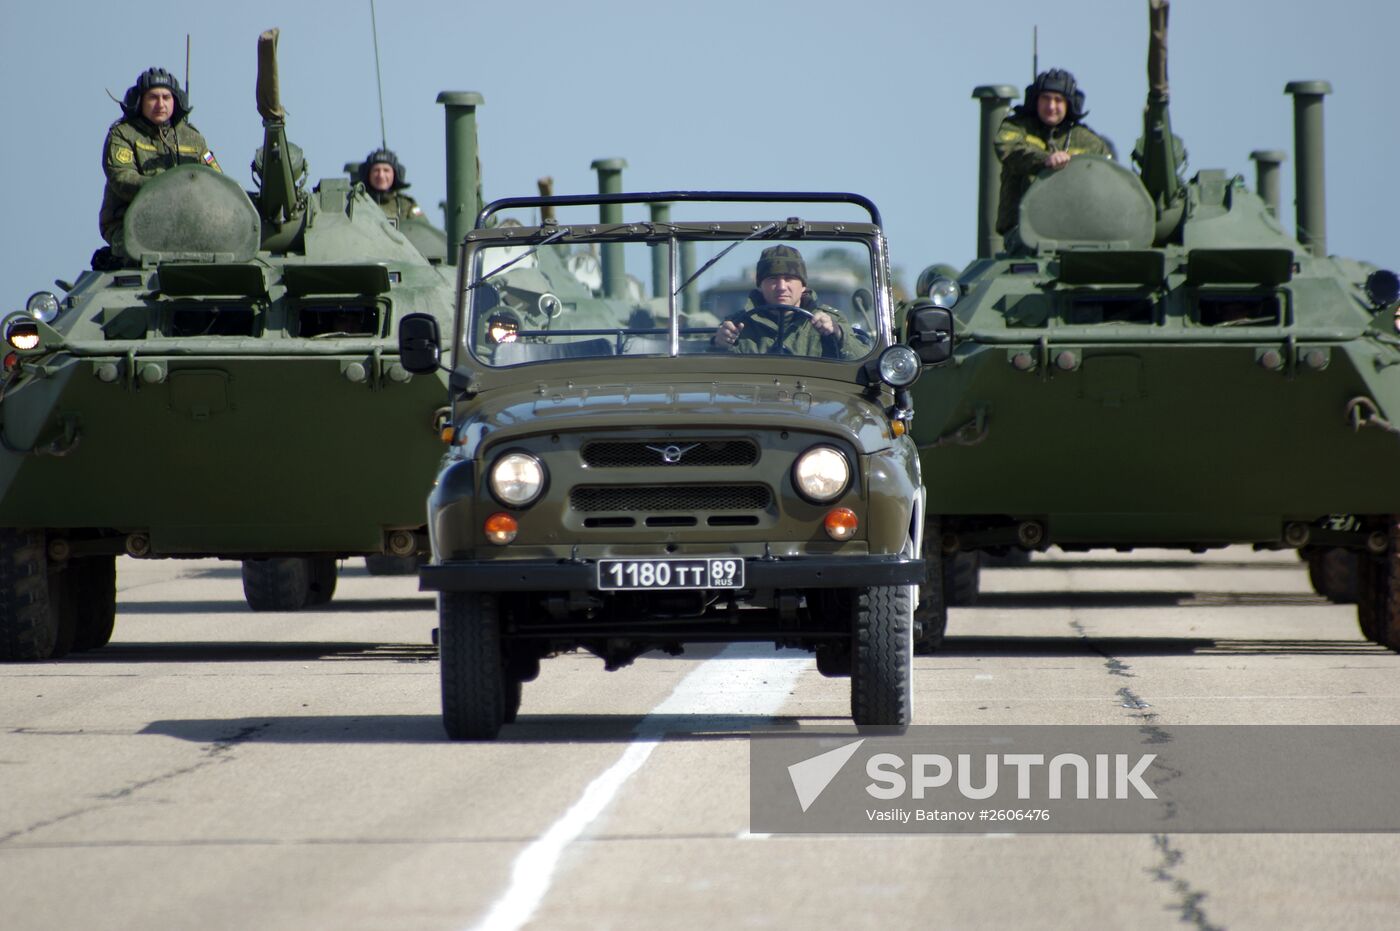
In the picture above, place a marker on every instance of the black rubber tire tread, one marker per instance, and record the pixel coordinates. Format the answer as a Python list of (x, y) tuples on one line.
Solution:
[(63, 608), (323, 572), (962, 578), (881, 656), (384, 564), (92, 592), (1378, 590), (472, 665), (28, 629), (280, 584), (931, 611), (1333, 573)]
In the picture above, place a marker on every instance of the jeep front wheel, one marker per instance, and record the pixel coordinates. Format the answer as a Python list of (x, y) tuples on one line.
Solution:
[(474, 686), (882, 655)]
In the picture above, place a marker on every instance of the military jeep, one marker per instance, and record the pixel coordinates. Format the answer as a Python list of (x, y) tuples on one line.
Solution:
[(620, 480)]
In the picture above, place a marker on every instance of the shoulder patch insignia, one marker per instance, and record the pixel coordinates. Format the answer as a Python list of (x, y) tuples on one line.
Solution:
[(122, 156), (1007, 135)]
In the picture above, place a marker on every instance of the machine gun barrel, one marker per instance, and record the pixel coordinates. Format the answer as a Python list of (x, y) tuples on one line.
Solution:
[(1160, 156), (277, 200)]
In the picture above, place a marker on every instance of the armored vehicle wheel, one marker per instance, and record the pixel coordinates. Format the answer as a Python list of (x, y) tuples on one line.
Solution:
[(882, 655), (90, 597), (931, 610), (321, 584), (962, 577), (474, 682), (281, 584), (28, 628), (1378, 590), (383, 564), (1333, 573)]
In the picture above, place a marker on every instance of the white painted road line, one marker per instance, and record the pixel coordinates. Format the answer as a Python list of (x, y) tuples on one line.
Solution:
[(744, 678)]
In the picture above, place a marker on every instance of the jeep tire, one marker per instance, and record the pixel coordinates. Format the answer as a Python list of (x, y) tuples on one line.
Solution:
[(882, 658), (474, 682)]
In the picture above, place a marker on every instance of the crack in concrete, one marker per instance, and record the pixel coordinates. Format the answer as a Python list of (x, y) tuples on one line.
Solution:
[(213, 754), (1189, 900)]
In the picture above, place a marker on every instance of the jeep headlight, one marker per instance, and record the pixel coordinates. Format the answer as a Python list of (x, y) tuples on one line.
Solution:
[(517, 479), (899, 366), (42, 306), (821, 474), (944, 292)]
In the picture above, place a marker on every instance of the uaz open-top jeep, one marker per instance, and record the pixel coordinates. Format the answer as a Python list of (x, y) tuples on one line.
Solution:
[(624, 475)]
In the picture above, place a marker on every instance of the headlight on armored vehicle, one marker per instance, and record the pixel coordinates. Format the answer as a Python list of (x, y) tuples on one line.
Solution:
[(42, 306), (517, 479), (944, 292), (899, 366), (22, 334), (821, 474)]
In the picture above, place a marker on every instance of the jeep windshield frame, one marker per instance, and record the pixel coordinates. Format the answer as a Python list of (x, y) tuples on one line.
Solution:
[(515, 282)]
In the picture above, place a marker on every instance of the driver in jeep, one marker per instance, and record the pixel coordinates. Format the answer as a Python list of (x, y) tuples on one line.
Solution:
[(784, 317)]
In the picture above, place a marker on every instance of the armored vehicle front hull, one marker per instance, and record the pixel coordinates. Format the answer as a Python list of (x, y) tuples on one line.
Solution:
[(180, 457), (1182, 442)]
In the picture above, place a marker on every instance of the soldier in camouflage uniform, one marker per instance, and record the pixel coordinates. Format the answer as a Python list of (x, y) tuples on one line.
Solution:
[(383, 177), (153, 134), (1044, 132), (781, 277)]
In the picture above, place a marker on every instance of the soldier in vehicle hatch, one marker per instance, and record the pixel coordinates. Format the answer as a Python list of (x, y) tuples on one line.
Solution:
[(383, 176), (153, 134), (1045, 131), (772, 325)]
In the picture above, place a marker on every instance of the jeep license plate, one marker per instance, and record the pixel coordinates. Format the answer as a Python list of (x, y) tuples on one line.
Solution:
[(636, 574)]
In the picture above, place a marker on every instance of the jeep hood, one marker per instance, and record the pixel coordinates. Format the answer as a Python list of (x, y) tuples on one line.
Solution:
[(780, 403)]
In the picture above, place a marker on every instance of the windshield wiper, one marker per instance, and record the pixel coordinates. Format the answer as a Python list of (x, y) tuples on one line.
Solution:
[(761, 231), (552, 237)]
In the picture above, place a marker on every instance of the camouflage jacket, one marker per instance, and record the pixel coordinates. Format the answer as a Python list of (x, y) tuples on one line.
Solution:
[(1023, 144), (136, 151), (784, 332), (397, 205)]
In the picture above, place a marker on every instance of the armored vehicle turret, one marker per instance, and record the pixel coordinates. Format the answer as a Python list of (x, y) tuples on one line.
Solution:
[(234, 391), (1153, 360)]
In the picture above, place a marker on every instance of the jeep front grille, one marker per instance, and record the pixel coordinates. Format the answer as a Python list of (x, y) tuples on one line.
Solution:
[(670, 498), (643, 454)]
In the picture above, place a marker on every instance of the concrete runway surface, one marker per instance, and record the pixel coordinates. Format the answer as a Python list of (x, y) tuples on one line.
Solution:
[(216, 769)]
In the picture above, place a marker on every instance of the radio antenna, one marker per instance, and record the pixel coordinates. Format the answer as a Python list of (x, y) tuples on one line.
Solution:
[(1035, 53), (374, 30), (187, 63)]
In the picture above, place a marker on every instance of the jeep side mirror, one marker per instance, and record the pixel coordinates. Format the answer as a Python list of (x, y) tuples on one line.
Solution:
[(929, 331), (420, 343)]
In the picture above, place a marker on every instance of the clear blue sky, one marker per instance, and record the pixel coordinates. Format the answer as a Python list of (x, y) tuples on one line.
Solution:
[(872, 97)]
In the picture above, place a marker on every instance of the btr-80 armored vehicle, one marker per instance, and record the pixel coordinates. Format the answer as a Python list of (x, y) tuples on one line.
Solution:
[(234, 391), (622, 478), (1155, 362)]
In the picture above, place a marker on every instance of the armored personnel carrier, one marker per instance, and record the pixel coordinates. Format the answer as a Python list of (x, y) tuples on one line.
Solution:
[(233, 391), (1153, 361)]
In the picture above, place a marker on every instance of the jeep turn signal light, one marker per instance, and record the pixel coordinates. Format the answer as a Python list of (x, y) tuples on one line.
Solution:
[(840, 524), (501, 528)]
